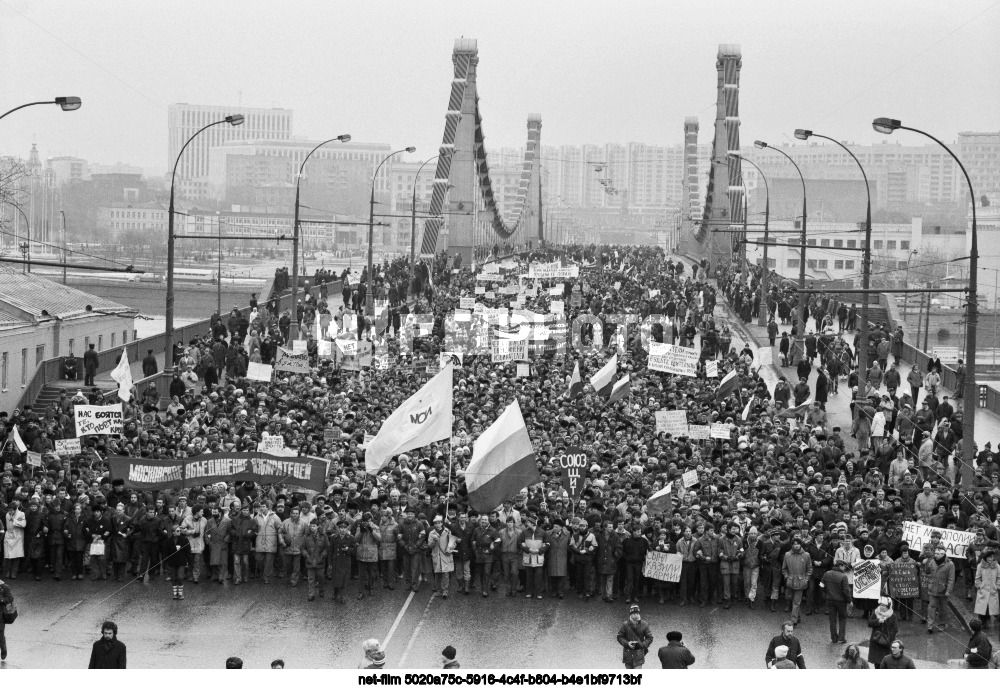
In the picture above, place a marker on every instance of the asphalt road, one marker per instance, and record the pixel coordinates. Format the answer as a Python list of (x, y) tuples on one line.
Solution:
[(59, 622)]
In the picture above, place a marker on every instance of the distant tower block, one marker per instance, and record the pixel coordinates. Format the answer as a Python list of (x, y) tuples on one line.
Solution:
[(724, 200)]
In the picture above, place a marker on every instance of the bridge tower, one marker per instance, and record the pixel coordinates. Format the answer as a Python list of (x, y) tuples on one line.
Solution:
[(691, 203), (463, 194)]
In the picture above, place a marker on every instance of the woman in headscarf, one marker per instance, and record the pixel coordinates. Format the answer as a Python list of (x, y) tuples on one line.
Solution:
[(884, 629)]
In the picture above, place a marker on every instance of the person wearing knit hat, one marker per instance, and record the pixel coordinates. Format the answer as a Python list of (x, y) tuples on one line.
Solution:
[(374, 657), (448, 661), (635, 638)]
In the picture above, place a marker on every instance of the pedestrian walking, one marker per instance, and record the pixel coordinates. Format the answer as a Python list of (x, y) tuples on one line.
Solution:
[(788, 640), (635, 639), (108, 652), (675, 655), (884, 630)]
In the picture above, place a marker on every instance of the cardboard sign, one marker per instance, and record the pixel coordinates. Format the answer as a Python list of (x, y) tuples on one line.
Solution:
[(867, 579), (557, 307), (711, 369), (490, 295), (299, 346), (324, 348), (904, 580), (94, 420), (669, 358), (540, 273), (331, 435), (467, 302), (699, 432), (509, 350), (662, 566), (573, 465), (261, 372), (34, 459), (293, 362), (955, 542), (690, 478), (524, 370), (480, 289), (721, 431), (673, 422), (271, 443), (68, 447)]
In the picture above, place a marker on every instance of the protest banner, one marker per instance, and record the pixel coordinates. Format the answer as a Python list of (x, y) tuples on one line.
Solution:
[(271, 443), (867, 579), (955, 542), (572, 464), (509, 350), (149, 419), (690, 478), (262, 372), (324, 348), (699, 432), (347, 347), (94, 420), (160, 474), (299, 346), (467, 302), (904, 581), (539, 273), (575, 300), (34, 459), (654, 293), (292, 362), (331, 434), (721, 431), (490, 295), (68, 447), (673, 422), (524, 370), (711, 369), (480, 289), (557, 306), (662, 566), (669, 358)]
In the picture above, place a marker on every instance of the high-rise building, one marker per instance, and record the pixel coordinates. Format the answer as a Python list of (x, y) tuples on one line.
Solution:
[(183, 120), (68, 169), (980, 154)]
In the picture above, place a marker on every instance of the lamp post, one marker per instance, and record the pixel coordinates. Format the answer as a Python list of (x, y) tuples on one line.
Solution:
[(802, 259), (370, 296), (970, 394), (67, 103), (413, 223), (294, 329), (906, 297), (168, 340), (765, 313), (866, 260)]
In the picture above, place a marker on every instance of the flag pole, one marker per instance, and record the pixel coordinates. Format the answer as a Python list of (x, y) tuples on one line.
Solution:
[(451, 457)]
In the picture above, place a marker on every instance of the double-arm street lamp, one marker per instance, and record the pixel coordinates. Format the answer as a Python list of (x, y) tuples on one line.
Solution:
[(369, 285), (885, 125), (800, 337), (67, 103), (168, 340), (343, 138), (866, 260), (765, 313)]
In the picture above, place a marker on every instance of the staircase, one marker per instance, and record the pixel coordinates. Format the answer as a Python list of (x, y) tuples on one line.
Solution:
[(49, 394)]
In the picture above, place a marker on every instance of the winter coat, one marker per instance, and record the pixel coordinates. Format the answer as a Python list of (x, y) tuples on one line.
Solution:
[(176, 549), (367, 536), (34, 539), (75, 533), (387, 546), (641, 635), (291, 535), (217, 537), (107, 655), (340, 551), (609, 552), (940, 577), (987, 586), (267, 533), (797, 569), (442, 544), (196, 534), (314, 549), (243, 534), (465, 548), (13, 540), (118, 542), (56, 522), (558, 553), (882, 636), (729, 554), (486, 543)]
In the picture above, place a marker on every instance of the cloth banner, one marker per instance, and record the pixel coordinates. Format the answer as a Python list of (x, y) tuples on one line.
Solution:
[(668, 358), (94, 420), (159, 474), (663, 566), (673, 422), (261, 372), (123, 376), (293, 362), (955, 542), (540, 273), (867, 579), (574, 464)]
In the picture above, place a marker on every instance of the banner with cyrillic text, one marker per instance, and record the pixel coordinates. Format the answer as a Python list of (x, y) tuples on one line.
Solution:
[(146, 474), (95, 420), (669, 358), (955, 542), (663, 566)]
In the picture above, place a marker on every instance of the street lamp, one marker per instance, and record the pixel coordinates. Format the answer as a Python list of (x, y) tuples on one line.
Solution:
[(765, 314), (802, 260), (885, 125), (168, 341), (370, 296), (294, 330), (67, 103), (866, 260), (413, 223)]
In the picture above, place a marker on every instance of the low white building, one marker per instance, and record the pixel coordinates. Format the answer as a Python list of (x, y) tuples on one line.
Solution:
[(42, 319)]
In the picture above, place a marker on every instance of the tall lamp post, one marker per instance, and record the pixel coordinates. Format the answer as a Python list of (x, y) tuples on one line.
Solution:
[(802, 260), (168, 340), (866, 260), (885, 125), (765, 313), (67, 103), (413, 223), (906, 300), (294, 330), (370, 296)]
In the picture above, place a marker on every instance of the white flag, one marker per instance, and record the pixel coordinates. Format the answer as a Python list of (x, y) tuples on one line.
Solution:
[(123, 376), (15, 437), (424, 418)]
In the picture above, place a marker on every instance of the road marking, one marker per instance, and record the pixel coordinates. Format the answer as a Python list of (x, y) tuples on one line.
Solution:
[(413, 637), (75, 605), (399, 618)]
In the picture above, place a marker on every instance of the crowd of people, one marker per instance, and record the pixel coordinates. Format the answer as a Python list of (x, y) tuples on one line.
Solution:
[(778, 505)]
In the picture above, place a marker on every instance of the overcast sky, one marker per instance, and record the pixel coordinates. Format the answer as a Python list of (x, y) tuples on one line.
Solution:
[(612, 71)]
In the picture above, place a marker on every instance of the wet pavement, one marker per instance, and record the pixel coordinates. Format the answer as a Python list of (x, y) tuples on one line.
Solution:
[(59, 622)]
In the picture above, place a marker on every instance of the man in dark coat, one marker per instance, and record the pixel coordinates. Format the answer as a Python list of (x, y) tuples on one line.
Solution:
[(108, 652), (90, 364), (788, 641), (149, 366), (675, 655), (635, 638)]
